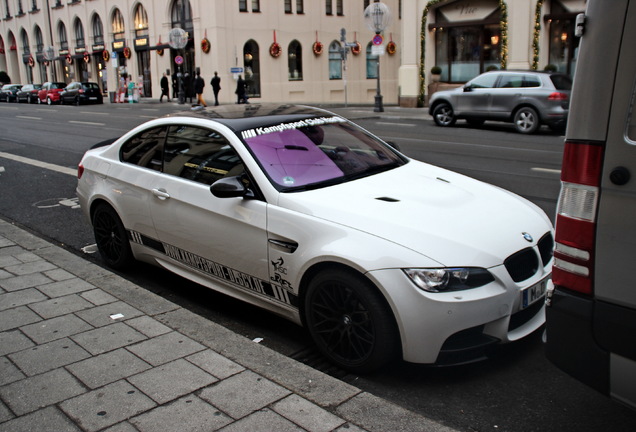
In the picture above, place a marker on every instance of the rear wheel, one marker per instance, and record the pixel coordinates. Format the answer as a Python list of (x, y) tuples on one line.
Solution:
[(77, 101), (111, 237), (350, 322), (527, 120), (443, 115)]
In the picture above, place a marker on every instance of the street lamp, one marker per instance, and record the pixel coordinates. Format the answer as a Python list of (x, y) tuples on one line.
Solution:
[(49, 55), (377, 17), (178, 39)]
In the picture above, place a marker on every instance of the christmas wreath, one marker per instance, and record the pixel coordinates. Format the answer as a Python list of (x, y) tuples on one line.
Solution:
[(105, 55), (275, 49), (318, 48), (69, 59), (205, 45), (391, 47), (87, 58), (355, 50), (127, 52), (31, 61)]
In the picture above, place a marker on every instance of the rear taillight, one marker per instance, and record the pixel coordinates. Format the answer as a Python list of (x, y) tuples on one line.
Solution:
[(576, 216), (558, 96), (80, 171)]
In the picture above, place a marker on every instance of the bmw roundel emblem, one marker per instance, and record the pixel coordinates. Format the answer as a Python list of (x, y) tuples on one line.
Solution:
[(527, 236)]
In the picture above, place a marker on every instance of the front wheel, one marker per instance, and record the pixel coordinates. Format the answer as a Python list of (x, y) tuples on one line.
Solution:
[(49, 101), (111, 237), (527, 120), (350, 322), (443, 115)]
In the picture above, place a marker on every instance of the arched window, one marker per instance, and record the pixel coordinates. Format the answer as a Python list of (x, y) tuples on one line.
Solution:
[(39, 40), (252, 63), (25, 42), (335, 60), (141, 21), (182, 15), (61, 34), (119, 30), (98, 30), (79, 34), (372, 62), (295, 61)]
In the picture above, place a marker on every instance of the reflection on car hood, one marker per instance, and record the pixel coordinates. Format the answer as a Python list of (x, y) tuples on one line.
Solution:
[(448, 217)]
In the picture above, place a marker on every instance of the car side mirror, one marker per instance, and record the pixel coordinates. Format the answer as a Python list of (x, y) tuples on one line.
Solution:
[(230, 187), (468, 88), (394, 145)]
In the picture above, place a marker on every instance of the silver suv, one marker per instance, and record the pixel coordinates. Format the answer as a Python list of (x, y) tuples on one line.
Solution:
[(526, 98)]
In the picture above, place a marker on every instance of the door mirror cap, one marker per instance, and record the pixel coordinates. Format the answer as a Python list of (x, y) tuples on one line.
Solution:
[(229, 187)]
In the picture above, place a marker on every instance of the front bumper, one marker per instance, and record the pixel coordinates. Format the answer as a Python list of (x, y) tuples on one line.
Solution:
[(459, 327)]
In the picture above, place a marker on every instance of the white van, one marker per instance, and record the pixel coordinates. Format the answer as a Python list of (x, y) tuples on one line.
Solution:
[(591, 313)]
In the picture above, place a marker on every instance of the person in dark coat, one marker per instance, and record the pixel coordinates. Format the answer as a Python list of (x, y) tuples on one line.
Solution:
[(175, 85), (199, 84), (164, 87), (216, 87), (189, 87), (240, 91)]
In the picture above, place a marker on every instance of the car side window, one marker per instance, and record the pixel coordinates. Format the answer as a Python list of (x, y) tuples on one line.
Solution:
[(200, 154), (144, 149), (511, 81), (484, 81)]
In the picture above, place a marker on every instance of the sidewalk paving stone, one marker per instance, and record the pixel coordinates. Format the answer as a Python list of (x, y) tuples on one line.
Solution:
[(55, 328), (107, 368), (108, 338), (166, 348), (49, 356)]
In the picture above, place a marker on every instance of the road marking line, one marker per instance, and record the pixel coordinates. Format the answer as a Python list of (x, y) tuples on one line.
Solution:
[(39, 164), (28, 117), (546, 170), (395, 124), (87, 123)]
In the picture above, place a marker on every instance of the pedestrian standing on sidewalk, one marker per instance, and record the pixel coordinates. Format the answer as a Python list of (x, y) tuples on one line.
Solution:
[(165, 89), (241, 95), (199, 83), (216, 87)]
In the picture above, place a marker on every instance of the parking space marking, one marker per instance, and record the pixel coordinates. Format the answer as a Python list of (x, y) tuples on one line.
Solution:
[(39, 164), (29, 117), (396, 124)]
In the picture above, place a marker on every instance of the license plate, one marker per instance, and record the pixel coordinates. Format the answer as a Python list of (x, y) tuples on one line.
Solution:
[(93, 98), (534, 293)]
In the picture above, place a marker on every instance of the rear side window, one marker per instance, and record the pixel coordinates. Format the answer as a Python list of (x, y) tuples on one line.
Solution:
[(561, 82), (511, 81), (144, 149), (200, 154), (90, 86)]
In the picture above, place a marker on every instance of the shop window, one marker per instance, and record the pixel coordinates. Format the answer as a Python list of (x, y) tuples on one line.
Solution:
[(118, 25), (295, 61), (141, 21), (98, 30), (372, 62), (252, 64), (335, 61), (463, 52)]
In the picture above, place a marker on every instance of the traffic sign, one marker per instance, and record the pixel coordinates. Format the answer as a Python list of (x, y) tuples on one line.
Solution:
[(236, 70), (178, 60), (378, 39)]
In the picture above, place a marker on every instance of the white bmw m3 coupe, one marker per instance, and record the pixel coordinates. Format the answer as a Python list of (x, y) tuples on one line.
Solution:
[(301, 212)]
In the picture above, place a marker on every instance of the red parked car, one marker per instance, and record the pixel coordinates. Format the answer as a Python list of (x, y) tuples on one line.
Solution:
[(50, 92)]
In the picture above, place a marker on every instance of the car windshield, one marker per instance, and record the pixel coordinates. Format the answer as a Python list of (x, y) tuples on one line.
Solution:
[(314, 153), (58, 85)]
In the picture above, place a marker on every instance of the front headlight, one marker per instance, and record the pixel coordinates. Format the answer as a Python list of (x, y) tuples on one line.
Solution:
[(449, 279)]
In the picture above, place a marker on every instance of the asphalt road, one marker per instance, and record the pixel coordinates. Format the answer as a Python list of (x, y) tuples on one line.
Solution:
[(517, 390)]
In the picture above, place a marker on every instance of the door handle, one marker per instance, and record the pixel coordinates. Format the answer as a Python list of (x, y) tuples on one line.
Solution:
[(161, 194)]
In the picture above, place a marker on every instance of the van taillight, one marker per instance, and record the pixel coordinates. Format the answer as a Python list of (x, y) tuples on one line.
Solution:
[(576, 216)]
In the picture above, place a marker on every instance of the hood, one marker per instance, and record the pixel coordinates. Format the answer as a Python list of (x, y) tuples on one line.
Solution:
[(445, 216)]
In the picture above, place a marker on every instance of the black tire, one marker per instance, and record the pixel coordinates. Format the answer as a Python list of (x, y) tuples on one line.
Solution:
[(77, 101), (350, 322), (443, 115), (111, 238), (527, 120)]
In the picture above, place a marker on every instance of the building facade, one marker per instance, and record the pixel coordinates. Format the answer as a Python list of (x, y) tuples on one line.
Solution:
[(285, 50)]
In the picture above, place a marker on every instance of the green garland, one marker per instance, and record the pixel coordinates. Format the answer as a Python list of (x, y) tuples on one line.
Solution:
[(535, 36), (503, 24)]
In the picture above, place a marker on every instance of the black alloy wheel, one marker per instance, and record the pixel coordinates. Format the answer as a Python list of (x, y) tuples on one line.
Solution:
[(350, 322), (111, 238)]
